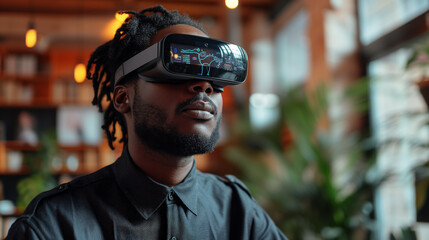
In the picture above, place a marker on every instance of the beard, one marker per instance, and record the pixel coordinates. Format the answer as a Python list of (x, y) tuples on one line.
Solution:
[(152, 130)]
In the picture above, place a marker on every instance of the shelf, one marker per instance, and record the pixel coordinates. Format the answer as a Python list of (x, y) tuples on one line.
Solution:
[(13, 173), (16, 213), (42, 104), (22, 146), (85, 158), (33, 79), (80, 147), (19, 146), (24, 173), (32, 104)]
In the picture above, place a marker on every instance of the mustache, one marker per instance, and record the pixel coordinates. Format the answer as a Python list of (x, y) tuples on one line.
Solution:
[(198, 97)]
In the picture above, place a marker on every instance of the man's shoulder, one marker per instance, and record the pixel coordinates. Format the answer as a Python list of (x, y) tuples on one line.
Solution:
[(62, 204), (59, 195), (238, 184), (227, 182), (102, 174)]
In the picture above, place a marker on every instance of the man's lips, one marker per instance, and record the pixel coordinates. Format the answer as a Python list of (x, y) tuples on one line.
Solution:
[(199, 110)]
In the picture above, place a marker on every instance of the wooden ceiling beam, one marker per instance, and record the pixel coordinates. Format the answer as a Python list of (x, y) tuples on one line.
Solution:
[(196, 9), (59, 8)]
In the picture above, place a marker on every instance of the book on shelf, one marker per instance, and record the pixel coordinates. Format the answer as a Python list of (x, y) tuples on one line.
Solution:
[(16, 92), (23, 65), (68, 91)]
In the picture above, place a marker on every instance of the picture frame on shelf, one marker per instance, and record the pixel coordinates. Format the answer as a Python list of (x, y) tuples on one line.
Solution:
[(24, 125), (79, 125)]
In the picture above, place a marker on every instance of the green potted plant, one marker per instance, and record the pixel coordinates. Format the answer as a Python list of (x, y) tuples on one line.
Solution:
[(40, 177), (406, 233), (316, 186)]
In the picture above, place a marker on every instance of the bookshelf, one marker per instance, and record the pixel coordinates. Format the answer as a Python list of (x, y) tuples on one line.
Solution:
[(40, 86)]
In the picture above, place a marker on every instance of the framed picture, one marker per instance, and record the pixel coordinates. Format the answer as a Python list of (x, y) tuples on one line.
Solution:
[(79, 125), (26, 124)]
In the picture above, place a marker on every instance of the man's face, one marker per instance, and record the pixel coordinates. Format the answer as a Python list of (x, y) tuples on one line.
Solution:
[(180, 119)]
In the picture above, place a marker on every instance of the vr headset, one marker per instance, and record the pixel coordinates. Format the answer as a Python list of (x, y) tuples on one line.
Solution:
[(180, 57)]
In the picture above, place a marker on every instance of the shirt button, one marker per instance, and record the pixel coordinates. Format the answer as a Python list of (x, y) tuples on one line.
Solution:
[(61, 187), (171, 197)]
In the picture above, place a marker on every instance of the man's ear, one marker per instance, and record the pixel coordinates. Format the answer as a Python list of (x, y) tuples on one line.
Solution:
[(121, 100)]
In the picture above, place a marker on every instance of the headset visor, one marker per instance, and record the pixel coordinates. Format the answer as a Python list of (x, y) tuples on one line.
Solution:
[(179, 57)]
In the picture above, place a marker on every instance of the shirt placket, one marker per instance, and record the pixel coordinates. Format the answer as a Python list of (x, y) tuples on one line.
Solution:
[(172, 216)]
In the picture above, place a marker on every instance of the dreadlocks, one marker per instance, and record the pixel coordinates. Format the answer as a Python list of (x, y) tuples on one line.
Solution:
[(131, 38)]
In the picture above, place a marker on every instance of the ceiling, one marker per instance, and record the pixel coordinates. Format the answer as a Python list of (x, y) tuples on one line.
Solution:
[(195, 8), (67, 22)]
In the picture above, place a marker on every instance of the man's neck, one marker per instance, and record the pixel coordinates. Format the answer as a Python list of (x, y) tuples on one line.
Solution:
[(164, 168)]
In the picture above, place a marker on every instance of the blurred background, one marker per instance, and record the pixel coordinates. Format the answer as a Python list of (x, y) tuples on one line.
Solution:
[(329, 132)]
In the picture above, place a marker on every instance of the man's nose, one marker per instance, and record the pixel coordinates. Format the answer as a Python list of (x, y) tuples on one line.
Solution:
[(200, 86)]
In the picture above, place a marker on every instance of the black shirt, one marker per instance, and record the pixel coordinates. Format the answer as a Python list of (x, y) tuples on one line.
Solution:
[(121, 202)]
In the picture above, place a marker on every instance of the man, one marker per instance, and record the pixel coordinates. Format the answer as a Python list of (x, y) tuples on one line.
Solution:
[(153, 191)]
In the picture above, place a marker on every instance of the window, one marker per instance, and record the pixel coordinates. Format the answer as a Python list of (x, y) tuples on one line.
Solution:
[(292, 52), (398, 112), (378, 17)]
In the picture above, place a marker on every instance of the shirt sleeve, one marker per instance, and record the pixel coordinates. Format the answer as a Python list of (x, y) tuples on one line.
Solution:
[(263, 226), (259, 223), (20, 229)]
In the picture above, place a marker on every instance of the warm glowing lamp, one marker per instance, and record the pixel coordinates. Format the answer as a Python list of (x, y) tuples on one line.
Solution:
[(31, 36), (121, 17), (79, 73), (114, 24), (231, 4)]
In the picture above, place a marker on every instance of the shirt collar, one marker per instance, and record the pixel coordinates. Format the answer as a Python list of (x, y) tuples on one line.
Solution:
[(148, 195)]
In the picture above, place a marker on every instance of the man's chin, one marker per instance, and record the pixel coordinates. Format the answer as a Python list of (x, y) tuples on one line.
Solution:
[(181, 146), (162, 138), (174, 143)]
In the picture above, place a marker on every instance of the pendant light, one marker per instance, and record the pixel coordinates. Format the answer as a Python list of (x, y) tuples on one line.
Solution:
[(31, 35), (121, 17), (231, 4), (80, 68), (79, 72)]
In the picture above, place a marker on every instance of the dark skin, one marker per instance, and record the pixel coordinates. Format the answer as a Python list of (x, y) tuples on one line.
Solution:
[(197, 118)]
